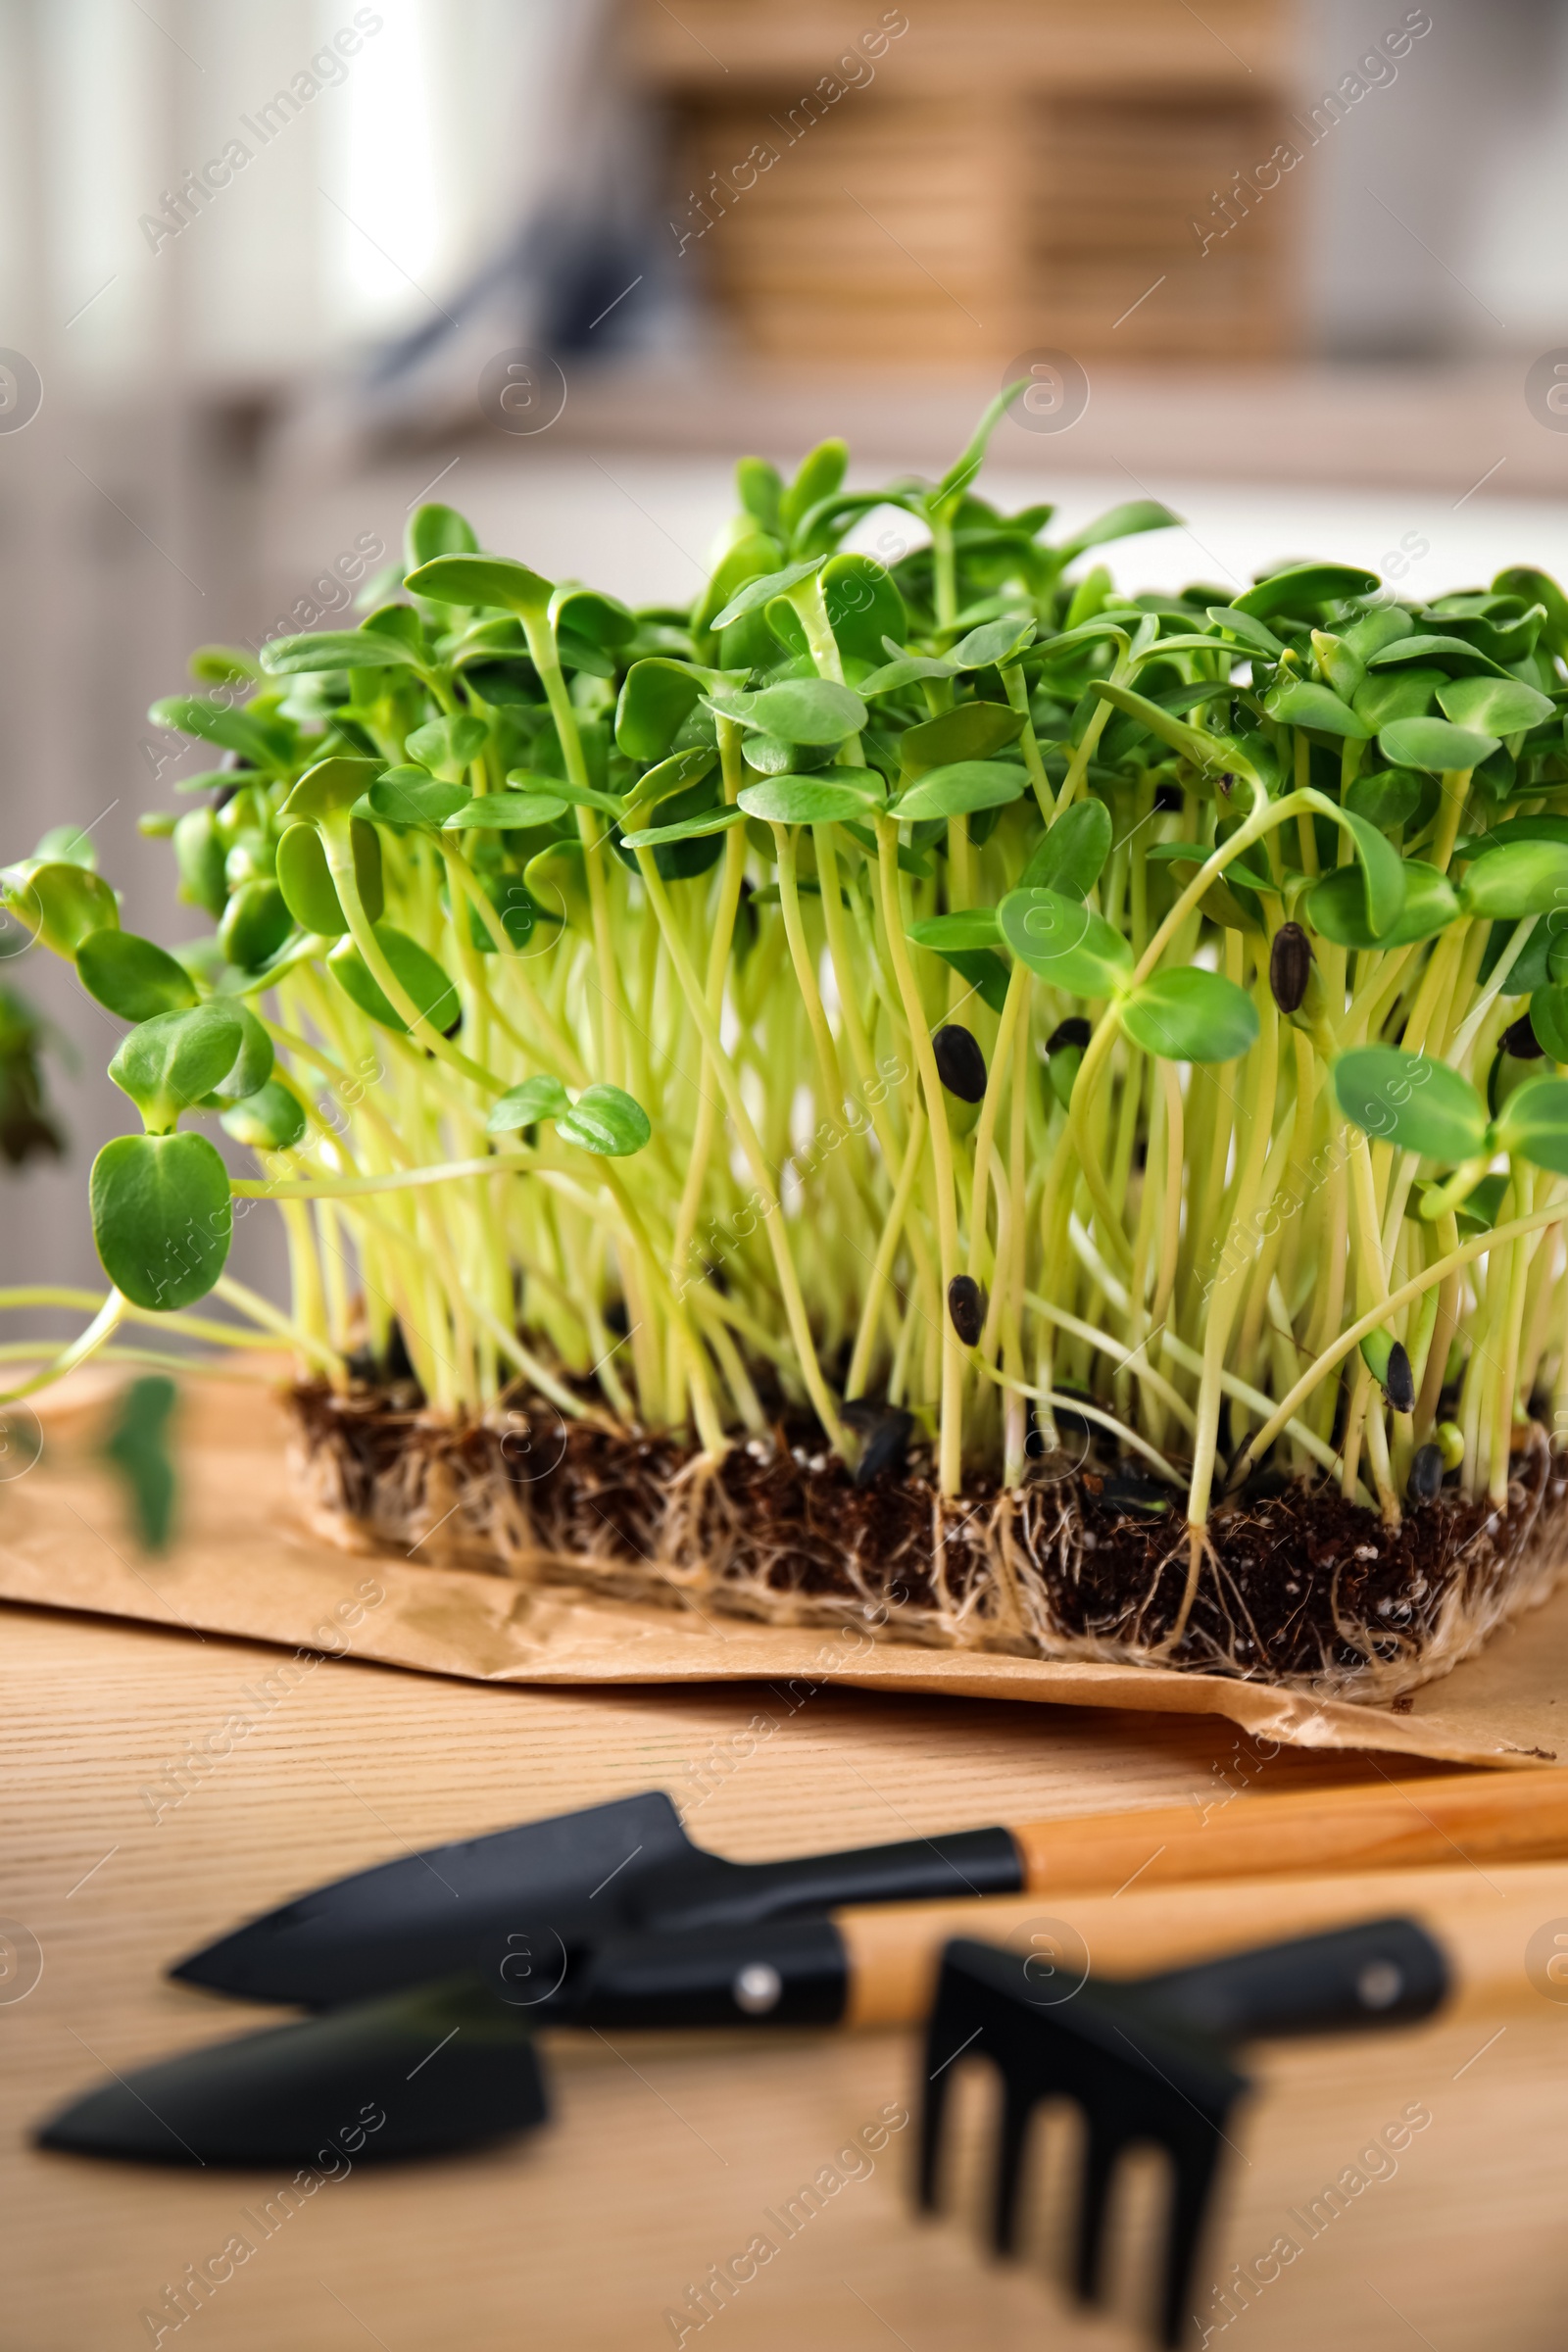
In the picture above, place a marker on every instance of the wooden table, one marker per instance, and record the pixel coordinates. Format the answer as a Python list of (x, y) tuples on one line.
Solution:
[(667, 2151)]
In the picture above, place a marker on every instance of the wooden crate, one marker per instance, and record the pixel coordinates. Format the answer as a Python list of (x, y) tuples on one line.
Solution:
[(1006, 179)]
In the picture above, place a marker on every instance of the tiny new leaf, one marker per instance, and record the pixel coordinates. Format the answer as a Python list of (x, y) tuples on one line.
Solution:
[(605, 1121), (536, 1098)]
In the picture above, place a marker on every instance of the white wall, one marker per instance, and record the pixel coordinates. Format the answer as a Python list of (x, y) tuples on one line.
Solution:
[(1435, 209)]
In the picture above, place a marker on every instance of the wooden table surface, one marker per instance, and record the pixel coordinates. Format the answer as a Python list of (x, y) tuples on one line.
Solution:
[(667, 2151)]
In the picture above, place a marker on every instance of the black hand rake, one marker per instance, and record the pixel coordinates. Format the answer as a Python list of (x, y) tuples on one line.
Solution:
[(1147, 2061)]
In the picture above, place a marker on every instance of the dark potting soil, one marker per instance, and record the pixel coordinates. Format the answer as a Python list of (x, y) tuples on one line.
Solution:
[(1297, 1584)]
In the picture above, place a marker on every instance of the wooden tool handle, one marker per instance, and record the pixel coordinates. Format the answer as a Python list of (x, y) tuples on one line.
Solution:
[(1381, 1824), (1484, 1925)]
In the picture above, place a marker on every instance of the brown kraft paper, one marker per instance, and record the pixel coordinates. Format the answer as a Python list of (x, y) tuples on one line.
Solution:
[(245, 1563)]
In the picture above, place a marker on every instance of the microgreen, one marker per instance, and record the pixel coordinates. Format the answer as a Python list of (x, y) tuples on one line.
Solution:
[(553, 959), (137, 1447)]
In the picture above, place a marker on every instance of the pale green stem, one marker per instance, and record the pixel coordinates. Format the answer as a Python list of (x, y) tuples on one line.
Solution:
[(762, 1175), (98, 1331), (951, 1448)]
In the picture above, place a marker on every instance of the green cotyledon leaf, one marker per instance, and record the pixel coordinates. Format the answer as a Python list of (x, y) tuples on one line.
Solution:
[(161, 1217), (1548, 1018), (493, 580), (691, 828), (1303, 588), (1519, 878), (447, 746), (167, 1064), (1190, 1016), (413, 796), (506, 813), (334, 648), (1336, 907), (1126, 521), (657, 697), (306, 881), (251, 1068), (1534, 1123), (971, 732), (832, 793), (60, 903), (328, 790), (864, 606), (962, 789), (1380, 865), (798, 711), (1494, 706), (1408, 1100), (763, 589), (977, 927), (581, 796), (1069, 855), (1304, 703), (1387, 799), (255, 924), (132, 976), (433, 530), (1247, 628), (423, 979), (1435, 745), (1065, 943), (271, 1120)]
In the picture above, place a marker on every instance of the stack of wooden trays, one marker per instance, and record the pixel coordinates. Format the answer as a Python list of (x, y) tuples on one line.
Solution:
[(991, 178)]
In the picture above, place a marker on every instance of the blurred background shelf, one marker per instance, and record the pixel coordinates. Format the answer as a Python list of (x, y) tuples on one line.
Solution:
[(1385, 424), (991, 177)]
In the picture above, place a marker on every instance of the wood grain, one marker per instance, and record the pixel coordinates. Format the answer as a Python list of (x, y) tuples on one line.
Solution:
[(1384, 1825), (667, 2151)]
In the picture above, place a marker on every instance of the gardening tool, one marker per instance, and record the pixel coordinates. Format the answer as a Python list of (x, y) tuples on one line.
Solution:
[(413, 2074), (563, 1885), (1147, 2062), (870, 1966)]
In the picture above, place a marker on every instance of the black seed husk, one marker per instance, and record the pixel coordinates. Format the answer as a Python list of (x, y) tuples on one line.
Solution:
[(1399, 1381), (886, 1431), (1289, 967), (961, 1064), (1426, 1474), (1075, 1031), (1520, 1039), (1168, 797), (966, 1305), (1129, 1492)]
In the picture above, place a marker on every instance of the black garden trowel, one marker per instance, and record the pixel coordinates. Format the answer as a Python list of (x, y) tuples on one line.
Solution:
[(547, 1893), (452, 2063), (550, 1890), (417, 2074)]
